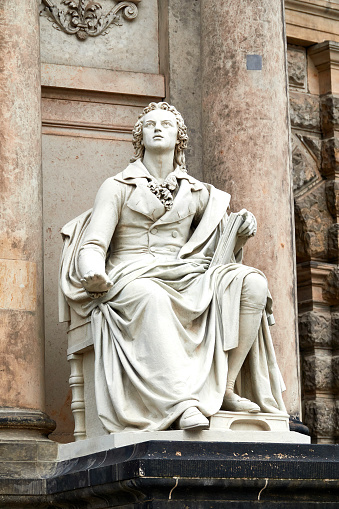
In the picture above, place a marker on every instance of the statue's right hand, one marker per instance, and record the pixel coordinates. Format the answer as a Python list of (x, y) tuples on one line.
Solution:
[(95, 282)]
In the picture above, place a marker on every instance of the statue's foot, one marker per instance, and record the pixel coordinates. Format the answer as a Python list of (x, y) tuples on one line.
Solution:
[(234, 403), (192, 418)]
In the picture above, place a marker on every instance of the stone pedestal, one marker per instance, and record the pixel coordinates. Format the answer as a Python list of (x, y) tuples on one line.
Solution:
[(21, 317), (246, 148), (191, 475)]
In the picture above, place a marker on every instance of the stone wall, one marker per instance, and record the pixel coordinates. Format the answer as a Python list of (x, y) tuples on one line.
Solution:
[(314, 113)]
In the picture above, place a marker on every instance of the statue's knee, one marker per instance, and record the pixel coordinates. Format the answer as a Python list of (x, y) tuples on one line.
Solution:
[(254, 290), (146, 290), (155, 294)]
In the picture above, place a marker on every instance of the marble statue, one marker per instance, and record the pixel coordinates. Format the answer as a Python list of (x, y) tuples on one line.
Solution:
[(175, 339)]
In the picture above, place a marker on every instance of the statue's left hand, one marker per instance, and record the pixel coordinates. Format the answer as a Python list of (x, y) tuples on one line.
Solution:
[(249, 226)]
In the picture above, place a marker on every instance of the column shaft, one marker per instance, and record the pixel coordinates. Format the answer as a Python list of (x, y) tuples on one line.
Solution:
[(246, 148), (21, 308)]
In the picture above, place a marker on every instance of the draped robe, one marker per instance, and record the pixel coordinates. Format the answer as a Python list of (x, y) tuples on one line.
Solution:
[(163, 331)]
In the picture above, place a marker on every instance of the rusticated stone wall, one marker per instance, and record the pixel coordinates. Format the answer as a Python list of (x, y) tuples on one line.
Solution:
[(314, 112)]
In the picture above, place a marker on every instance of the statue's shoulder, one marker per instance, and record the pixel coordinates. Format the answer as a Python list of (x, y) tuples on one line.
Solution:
[(112, 188), (132, 174), (79, 222), (217, 194)]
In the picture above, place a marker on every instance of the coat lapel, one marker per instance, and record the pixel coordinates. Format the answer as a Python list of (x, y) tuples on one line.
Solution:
[(142, 200)]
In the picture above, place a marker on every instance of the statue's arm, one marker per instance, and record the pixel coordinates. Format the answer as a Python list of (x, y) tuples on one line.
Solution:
[(98, 236)]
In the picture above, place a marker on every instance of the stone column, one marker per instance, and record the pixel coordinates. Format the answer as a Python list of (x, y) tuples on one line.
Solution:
[(246, 148), (21, 305)]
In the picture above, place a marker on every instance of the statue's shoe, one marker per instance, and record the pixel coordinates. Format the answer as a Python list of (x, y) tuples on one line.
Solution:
[(235, 403), (192, 418)]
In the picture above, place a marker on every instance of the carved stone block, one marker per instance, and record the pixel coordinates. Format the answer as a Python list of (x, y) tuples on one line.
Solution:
[(87, 19), (312, 220), (304, 111), (332, 197), (331, 288), (304, 162), (335, 331), (329, 107), (297, 67), (336, 419), (314, 330), (319, 416), (335, 370), (330, 157), (313, 145), (317, 373)]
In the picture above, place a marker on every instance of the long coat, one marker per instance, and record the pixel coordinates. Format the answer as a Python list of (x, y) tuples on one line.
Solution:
[(163, 332)]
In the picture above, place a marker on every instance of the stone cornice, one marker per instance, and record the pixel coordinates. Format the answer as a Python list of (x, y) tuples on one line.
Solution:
[(322, 8), (325, 55)]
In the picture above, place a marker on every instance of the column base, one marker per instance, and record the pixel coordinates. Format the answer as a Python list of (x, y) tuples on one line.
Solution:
[(24, 424)]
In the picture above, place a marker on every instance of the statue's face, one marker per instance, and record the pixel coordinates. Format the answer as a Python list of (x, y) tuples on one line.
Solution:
[(160, 131)]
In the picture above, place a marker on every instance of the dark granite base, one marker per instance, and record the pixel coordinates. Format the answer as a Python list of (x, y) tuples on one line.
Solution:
[(186, 475)]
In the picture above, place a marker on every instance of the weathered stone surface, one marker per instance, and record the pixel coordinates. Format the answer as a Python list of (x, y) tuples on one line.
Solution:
[(21, 338), (297, 70), (304, 111), (315, 330), (18, 285), (329, 107), (337, 419), (26, 459), (312, 221), (319, 416), (335, 369), (314, 146), (332, 196), (303, 164), (333, 243), (317, 372), (331, 287), (330, 157), (335, 330)]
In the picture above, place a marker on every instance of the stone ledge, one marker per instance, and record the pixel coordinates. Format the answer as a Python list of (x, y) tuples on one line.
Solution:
[(115, 441), (323, 8), (311, 21), (102, 81)]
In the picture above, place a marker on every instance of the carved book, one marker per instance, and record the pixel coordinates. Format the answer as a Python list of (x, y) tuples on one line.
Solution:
[(227, 241)]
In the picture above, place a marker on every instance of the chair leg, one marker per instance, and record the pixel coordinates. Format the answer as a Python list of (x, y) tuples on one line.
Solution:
[(76, 382)]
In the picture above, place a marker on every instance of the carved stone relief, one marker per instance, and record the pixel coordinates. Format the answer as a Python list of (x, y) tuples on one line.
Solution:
[(315, 126), (85, 18), (296, 59)]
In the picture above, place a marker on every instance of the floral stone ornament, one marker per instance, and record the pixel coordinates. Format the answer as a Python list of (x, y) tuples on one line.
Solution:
[(86, 18)]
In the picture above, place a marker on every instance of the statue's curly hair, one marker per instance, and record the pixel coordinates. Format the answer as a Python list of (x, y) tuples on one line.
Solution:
[(139, 149)]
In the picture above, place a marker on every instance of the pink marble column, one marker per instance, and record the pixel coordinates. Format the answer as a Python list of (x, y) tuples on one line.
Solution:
[(246, 148), (21, 304)]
